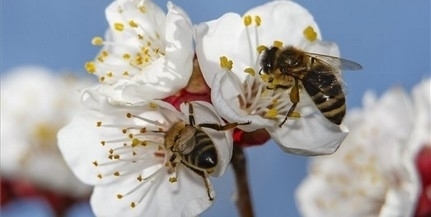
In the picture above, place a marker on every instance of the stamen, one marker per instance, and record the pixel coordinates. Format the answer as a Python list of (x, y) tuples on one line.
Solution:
[(119, 26), (225, 63), (250, 71), (310, 34), (278, 44), (97, 41), (247, 20), (90, 67), (258, 20)]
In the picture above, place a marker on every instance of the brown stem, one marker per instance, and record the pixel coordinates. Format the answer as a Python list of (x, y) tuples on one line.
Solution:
[(243, 202)]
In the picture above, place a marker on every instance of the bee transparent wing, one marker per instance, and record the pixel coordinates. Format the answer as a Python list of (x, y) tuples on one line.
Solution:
[(337, 62)]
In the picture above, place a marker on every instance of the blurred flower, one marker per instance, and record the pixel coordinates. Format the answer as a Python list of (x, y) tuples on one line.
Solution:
[(121, 151), (374, 172), (35, 104), (229, 49), (146, 54)]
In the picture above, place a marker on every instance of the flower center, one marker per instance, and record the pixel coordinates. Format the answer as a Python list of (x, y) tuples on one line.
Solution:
[(132, 48)]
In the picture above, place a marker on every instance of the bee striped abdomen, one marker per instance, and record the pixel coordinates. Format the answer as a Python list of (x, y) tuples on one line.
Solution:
[(204, 155), (327, 94)]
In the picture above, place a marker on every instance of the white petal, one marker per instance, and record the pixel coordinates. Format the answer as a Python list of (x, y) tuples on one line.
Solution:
[(153, 197), (309, 135)]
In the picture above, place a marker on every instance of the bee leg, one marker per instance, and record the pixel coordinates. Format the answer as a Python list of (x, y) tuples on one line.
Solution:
[(207, 182), (294, 98), (219, 127), (191, 115)]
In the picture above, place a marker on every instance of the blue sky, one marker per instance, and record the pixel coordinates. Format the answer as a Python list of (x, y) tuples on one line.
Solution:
[(391, 39)]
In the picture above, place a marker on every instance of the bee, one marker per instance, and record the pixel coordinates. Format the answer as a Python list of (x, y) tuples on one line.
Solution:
[(192, 147), (292, 68)]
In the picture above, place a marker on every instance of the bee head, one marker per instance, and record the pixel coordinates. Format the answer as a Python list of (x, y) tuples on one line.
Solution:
[(268, 60)]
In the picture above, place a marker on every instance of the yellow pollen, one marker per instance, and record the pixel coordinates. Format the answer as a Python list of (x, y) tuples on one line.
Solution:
[(258, 20), (225, 63), (95, 163), (247, 20), (133, 24), (102, 79), (173, 179), (119, 196), (90, 67), (309, 33), (97, 41), (278, 44), (119, 27), (250, 71), (271, 113), (140, 37), (109, 74), (261, 48), (126, 73), (116, 173)]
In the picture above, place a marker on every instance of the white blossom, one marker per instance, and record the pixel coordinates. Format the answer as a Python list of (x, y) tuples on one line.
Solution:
[(146, 53), (35, 103), (373, 173), (120, 149), (229, 51)]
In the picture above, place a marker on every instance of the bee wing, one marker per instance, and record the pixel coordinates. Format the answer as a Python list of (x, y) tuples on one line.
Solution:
[(337, 62)]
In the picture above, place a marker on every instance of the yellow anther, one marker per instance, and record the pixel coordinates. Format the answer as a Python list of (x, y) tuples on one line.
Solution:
[(258, 20), (133, 24), (143, 9), (99, 123), (103, 143), (97, 41), (126, 56), (139, 178), (173, 179), (109, 74), (250, 71), (271, 113), (225, 63), (95, 163), (132, 204), (99, 176), (116, 173), (247, 20), (135, 142), (119, 196), (310, 34), (264, 77), (126, 73), (90, 67), (261, 48), (102, 79), (278, 44), (153, 105), (119, 26), (295, 115)]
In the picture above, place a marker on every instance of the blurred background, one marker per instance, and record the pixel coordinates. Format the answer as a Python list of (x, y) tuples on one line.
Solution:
[(390, 39)]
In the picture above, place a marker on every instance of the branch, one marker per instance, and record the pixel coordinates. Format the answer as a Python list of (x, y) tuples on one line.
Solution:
[(243, 202)]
